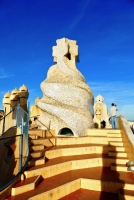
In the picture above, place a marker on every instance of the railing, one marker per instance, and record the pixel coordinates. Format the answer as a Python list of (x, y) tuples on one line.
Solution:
[(48, 128), (14, 149)]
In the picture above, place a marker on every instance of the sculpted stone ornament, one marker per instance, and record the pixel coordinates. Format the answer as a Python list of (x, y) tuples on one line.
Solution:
[(7, 103), (67, 101), (100, 111)]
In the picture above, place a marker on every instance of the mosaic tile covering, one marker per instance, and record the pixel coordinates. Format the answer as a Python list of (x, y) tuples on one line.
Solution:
[(67, 100)]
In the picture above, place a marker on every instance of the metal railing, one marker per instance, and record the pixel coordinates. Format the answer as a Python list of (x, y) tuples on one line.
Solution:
[(14, 148)]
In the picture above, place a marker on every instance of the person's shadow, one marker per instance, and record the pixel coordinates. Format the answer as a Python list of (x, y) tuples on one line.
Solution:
[(110, 178)]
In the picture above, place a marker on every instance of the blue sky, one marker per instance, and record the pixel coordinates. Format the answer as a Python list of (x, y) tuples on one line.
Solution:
[(104, 31)]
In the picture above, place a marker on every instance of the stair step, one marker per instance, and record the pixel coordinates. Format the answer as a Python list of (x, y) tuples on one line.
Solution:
[(119, 167), (100, 159), (98, 178), (35, 162), (80, 161), (115, 135), (116, 148), (114, 143), (62, 159), (33, 136), (42, 133), (36, 147), (39, 132), (26, 185), (63, 164), (68, 190), (93, 132), (82, 140), (44, 141), (37, 154), (102, 131), (69, 150), (118, 161), (90, 194), (66, 163), (117, 154), (126, 194), (114, 139)]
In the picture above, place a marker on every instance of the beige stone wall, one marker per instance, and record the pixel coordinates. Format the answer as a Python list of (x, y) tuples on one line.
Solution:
[(35, 110)]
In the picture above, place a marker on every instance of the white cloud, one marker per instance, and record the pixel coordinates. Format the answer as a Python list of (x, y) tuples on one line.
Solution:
[(80, 15), (6, 76)]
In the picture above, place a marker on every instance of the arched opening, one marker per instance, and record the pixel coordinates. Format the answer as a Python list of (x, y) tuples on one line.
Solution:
[(66, 132)]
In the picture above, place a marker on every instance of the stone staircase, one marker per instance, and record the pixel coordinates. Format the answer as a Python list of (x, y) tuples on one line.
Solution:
[(91, 167)]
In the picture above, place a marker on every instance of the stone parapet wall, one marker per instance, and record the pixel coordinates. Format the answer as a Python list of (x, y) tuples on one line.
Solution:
[(127, 137)]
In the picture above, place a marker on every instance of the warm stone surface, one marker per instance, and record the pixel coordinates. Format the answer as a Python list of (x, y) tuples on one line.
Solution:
[(83, 194), (100, 111), (34, 110), (67, 100), (6, 102)]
